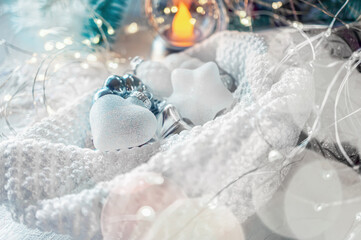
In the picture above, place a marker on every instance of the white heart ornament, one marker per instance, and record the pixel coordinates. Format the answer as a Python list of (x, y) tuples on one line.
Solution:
[(118, 124)]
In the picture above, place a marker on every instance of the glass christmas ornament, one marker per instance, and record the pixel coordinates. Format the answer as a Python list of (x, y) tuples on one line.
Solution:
[(122, 114), (113, 82), (100, 93), (182, 23), (132, 83), (170, 122)]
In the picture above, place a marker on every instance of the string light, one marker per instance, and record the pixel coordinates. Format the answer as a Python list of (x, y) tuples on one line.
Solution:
[(202, 2), (96, 39), (200, 10), (57, 67), (50, 110), (146, 211), (59, 45), (77, 55), (242, 14), (84, 65), (192, 21), (91, 58), (276, 5), (68, 41), (113, 65), (160, 20), (86, 42), (98, 22), (166, 10), (40, 78), (358, 217), (7, 97), (174, 9), (246, 21), (132, 28), (43, 32), (297, 25), (48, 46), (110, 30), (33, 59)]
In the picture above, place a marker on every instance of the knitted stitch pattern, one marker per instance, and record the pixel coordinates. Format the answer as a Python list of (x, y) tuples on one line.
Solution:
[(51, 178)]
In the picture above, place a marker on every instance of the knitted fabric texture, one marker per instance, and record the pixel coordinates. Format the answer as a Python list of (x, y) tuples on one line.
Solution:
[(51, 177)]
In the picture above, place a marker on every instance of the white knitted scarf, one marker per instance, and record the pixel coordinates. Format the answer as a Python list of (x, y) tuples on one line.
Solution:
[(51, 177)]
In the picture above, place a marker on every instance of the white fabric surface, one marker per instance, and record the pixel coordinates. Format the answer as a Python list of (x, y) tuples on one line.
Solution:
[(10, 230), (55, 181)]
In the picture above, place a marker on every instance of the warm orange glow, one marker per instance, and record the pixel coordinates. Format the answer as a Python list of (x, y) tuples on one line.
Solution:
[(182, 27)]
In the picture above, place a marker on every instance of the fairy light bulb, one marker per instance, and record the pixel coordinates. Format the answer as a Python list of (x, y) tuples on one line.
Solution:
[(111, 30), (98, 22), (43, 32), (182, 23), (59, 45), (49, 46), (68, 41), (96, 39), (91, 58), (246, 21), (86, 42), (84, 65), (276, 5), (7, 97), (33, 59), (77, 55), (132, 28)]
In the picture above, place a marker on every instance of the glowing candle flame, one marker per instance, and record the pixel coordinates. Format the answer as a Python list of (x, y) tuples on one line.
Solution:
[(182, 28)]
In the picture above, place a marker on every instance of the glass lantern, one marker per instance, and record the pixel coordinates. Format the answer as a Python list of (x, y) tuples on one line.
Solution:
[(182, 23)]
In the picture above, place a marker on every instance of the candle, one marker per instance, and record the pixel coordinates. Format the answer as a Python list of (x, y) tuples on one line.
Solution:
[(183, 27), (182, 23)]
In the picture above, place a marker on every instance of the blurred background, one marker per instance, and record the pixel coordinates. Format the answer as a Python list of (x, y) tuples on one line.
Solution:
[(46, 26)]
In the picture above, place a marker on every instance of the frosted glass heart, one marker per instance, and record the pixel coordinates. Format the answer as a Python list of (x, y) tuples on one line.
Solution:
[(117, 123), (199, 94)]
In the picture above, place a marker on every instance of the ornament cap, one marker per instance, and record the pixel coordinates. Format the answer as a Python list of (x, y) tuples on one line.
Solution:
[(140, 99), (171, 122)]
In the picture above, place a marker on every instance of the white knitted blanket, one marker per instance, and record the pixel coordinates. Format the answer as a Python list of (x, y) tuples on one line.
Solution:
[(51, 177)]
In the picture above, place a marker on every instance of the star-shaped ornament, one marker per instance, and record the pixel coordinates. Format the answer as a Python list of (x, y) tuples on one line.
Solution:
[(199, 94)]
